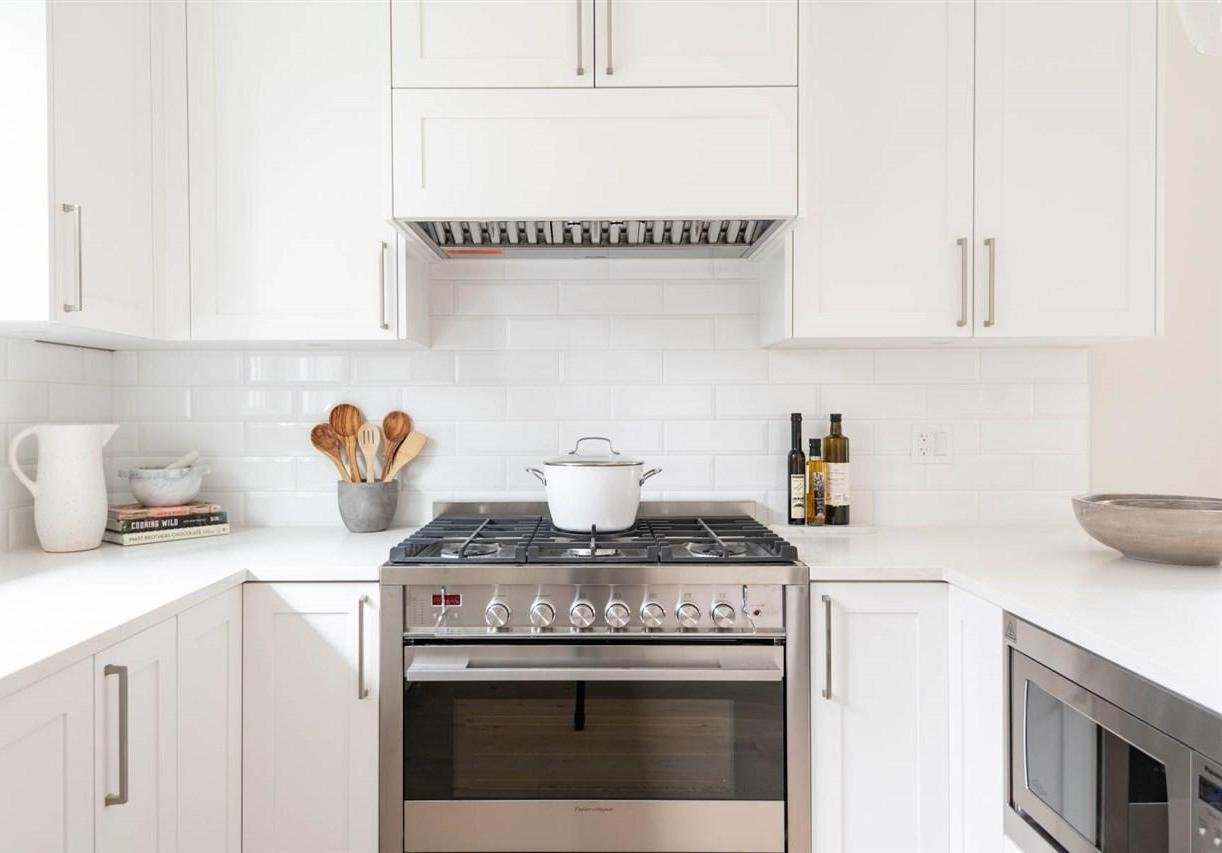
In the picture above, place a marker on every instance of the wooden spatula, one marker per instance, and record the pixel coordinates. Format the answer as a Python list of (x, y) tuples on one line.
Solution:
[(408, 450), (368, 438)]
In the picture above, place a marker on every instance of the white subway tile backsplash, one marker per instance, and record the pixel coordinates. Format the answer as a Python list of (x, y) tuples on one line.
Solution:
[(680, 472), (507, 368), (1041, 436), (766, 401), (270, 403), (405, 368), (750, 472), (151, 403), (179, 368), (737, 332), (501, 300), (1045, 365), (452, 403), (671, 332), (1062, 472), (597, 367), (211, 439), (716, 437), (560, 402), (373, 401), (674, 402), (926, 365), (454, 472), (875, 401), (988, 401), (80, 402), (553, 333), (282, 438), (282, 369), (289, 509), (1062, 400), (982, 473), (504, 437), (631, 437), (687, 367), (823, 366), (23, 401), (468, 333), (661, 268), (35, 361), (611, 297), (682, 297)]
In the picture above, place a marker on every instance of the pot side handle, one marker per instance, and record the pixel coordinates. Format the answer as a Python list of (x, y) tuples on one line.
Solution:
[(539, 475), (12, 460), (648, 474)]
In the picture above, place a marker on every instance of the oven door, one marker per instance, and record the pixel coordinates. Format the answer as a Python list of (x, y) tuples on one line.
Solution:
[(1090, 776), (615, 746)]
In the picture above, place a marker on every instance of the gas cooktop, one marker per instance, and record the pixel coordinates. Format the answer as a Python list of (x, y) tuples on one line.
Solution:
[(533, 539)]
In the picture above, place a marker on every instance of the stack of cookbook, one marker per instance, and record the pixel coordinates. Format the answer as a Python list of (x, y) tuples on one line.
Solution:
[(133, 524)]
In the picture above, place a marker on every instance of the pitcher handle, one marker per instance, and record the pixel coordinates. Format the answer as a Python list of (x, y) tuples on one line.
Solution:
[(12, 460)]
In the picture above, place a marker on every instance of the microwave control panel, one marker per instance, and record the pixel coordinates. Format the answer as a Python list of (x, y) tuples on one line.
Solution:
[(1206, 806)]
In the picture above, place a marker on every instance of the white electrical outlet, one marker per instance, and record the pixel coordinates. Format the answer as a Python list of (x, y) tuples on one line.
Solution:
[(931, 444)]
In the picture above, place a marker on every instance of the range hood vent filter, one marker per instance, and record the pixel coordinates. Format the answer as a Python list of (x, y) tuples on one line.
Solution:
[(584, 238)]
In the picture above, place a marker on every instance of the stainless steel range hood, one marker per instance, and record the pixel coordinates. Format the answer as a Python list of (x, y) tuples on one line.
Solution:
[(593, 238)]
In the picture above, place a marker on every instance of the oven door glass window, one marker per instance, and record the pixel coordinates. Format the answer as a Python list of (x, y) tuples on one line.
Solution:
[(594, 740)]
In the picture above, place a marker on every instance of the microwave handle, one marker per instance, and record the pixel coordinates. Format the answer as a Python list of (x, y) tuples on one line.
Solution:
[(589, 673)]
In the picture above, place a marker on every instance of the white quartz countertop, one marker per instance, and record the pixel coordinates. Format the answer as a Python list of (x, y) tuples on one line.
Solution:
[(1163, 622)]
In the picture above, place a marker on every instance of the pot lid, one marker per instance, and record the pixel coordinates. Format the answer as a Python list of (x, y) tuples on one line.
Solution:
[(611, 458)]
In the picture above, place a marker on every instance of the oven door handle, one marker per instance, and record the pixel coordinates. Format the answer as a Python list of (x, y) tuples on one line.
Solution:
[(590, 673)]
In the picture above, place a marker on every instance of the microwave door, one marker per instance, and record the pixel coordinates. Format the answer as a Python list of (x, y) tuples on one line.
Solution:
[(1092, 777)]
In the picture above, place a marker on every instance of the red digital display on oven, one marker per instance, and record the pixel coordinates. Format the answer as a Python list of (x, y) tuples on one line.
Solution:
[(450, 599)]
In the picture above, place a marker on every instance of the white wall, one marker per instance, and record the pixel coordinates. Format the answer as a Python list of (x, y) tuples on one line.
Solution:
[(663, 357), (1156, 405), (39, 383)]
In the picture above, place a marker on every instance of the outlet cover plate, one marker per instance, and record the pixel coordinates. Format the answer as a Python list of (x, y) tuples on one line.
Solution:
[(932, 444)]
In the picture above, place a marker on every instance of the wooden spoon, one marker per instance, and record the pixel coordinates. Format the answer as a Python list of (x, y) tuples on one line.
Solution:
[(408, 450), (369, 437), (346, 420), (395, 427), (326, 442)]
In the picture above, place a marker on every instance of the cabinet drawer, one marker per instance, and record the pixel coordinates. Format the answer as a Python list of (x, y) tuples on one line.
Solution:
[(603, 153)]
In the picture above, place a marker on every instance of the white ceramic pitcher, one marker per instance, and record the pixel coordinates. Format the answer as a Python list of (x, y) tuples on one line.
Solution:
[(70, 495)]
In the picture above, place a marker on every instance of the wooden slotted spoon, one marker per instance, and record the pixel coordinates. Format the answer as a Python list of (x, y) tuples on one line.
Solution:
[(395, 427), (369, 437), (346, 420), (326, 442)]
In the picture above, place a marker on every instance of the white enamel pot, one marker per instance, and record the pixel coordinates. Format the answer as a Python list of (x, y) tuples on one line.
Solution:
[(587, 492)]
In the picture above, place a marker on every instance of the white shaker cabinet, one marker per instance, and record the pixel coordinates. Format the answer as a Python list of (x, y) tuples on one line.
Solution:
[(880, 670), (76, 214), (46, 764), (210, 725), (1066, 185), (135, 735), (885, 248), (696, 42), (290, 138), (310, 712), (492, 43)]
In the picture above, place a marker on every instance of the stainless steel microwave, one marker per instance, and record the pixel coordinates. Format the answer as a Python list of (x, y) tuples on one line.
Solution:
[(1101, 760)]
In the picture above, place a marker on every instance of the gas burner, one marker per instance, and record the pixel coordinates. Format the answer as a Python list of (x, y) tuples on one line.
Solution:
[(469, 551), (716, 549)]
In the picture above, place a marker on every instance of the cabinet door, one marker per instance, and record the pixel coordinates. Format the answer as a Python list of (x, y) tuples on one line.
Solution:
[(138, 674), (290, 170), (46, 764), (102, 161), (977, 724), (310, 712), (491, 43), (885, 249), (880, 734), (696, 42), (210, 726), (1066, 179), (583, 154)]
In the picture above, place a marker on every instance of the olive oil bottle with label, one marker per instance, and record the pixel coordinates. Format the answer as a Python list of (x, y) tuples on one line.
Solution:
[(816, 487), (836, 459), (797, 473)]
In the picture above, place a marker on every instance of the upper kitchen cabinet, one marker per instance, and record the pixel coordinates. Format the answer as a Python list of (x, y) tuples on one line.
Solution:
[(696, 42), (885, 249), (77, 212), (493, 43), (290, 168), (1066, 169), (563, 154)]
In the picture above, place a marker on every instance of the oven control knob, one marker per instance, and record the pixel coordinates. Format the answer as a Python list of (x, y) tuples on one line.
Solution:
[(688, 615), (496, 614), (542, 614), (723, 614), (652, 614), (617, 614), (581, 614)]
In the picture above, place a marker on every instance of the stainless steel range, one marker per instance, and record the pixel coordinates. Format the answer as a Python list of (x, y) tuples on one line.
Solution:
[(646, 690)]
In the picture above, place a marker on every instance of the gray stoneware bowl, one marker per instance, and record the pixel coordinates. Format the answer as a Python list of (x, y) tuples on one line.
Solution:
[(368, 507), (1155, 528), (165, 486)]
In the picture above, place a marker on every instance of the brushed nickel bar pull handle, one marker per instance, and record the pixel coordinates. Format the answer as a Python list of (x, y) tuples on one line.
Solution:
[(827, 646), (79, 303), (990, 243), (610, 66), (361, 690), (382, 283), (580, 66), (962, 241), (121, 671)]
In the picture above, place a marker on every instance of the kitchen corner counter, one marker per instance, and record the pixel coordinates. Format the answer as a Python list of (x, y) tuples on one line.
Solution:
[(1161, 622)]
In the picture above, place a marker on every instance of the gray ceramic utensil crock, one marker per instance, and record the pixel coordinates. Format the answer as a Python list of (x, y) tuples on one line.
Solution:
[(368, 507)]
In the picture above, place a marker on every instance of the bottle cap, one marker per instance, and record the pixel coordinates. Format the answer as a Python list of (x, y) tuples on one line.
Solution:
[(815, 445), (835, 418), (796, 417)]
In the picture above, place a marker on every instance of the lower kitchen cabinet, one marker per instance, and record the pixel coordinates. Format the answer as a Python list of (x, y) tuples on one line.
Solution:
[(46, 764), (135, 737), (310, 714), (210, 726), (880, 758)]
